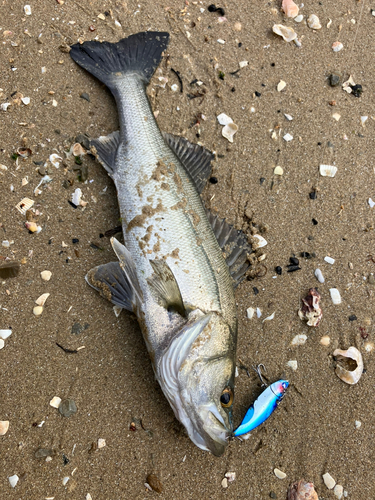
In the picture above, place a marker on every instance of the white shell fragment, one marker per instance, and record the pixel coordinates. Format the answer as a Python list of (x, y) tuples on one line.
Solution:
[(65, 480), (319, 276), (327, 170), (371, 203), (37, 311), (336, 116), (46, 275), (293, 364), (76, 197), (2, 344), (40, 301), (231, 476), (299, 340), (224, 119), (347, 86), (349, 376), (24, 205), (4, 426), (357, 424), (325, 341), (299, 19), (288, 137), (4, 334), (54, 159), (174, 87), (329, 481), (260, 241), (278, 171), (101, 443), (335, 296), (27, 10), (338, 490), (55, 402), (288, 117), (288, 34), (279, 473), (281, 85), (13, 480), (329, 260), (243, 64), (290, 8), (250, 312), (259, 312), (269, 318), (25, 100), (337, 46), (229, 130), (313, 22)]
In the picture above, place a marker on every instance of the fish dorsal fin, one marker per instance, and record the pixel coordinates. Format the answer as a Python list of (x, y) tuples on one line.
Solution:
[(234, 245), (128, 267), (196, 159), (165, 288), (104, 148), (112, 284)]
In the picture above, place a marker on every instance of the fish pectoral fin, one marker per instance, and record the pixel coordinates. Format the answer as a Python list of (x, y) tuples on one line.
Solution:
[(128, 268), (195, 159), (104, 148), (234, 245), (164, 287), (112, 284)]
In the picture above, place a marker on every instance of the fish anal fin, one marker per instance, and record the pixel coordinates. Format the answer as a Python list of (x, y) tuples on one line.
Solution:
[(165, 288), (195, 159), (104, 148), (234, 245), (112, 284)]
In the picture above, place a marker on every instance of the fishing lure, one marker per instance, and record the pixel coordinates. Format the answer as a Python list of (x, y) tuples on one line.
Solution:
[(262, 407)]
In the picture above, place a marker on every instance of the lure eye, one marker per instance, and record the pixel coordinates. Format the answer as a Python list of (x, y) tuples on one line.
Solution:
[(226, 398)]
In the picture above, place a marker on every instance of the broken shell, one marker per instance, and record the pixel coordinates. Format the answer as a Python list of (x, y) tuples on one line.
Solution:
[(319, 276), (281, 85), (335, 296), (288, 34), (25, 100), (54, 159), (33, 227), (301, 490), (27, 10), (260, 241), (77, 149), (269, 318), (24, 205), (40, 301), (55, 402), (290, 8), (250, 312), (278, 171), (299, 18), (4, 334), (299, 340), (310, 309), (349, 376), (13, 480), (313, 22), (101, 443), (2, 344), (325, 340), (37, 311), (46, 275), (328, 480), (224, 119), (337, 46), (4, 426), (76, 197), (288, 137), (327, 170), (279, 473), (293, 364), (229, 130)]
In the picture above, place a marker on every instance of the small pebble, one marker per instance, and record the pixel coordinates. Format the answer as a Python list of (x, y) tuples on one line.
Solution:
[(329, 481), (67, 408), (299, 18), (288, 137), (224, 483), (250, 312), (4, 426), (278, 171), (46, 275), (4, 334), (279, 473), (27, 10), (329, 260), (293, 364), (335, 296), (85, 96), (352, 317), (338, 490), (319, 276), (278, 270), (281, 85), (299, 340), (2, 344), (231, 476), (335, 79), (174, 87), (371, 279), (44, 452), (13, 480), (325, 341), (357, 424), (55, 402), (313, 22)]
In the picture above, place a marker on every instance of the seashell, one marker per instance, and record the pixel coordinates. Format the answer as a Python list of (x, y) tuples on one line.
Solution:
[(290, 8), (338, 490), (299, 18), (278, 171), (327, 170), (329, 481), (117, 310), (101, 443), (4, 426), (293, 364), (288, 34), (24, 205), (349, 376), (269, 318), (174, 87), (229, 130), (281, 85), (313, 22), (288, 137), (279, 473), (329, 260), (357, 424), (24, 152), (231, 476), (3, 167), (13, 480), (40, 301), (24, 181), (337, 46), (259, 312), (310, 309), (76, 197), (319, 276), (33, 227), (299, 340), (54, 159), (2, 344), (302, 490), (336, 116), (325, 341), (260, 242), (25, 100), (4, 334), (243, 64), (250, 312), (65, 480), (27, 10), (288, 117), (55, 402), (46, 275), (77, 149), (335, 296), (37, 311), (224, 483)]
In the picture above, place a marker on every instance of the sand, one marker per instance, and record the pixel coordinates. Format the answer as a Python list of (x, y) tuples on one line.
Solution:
[(111, 381)]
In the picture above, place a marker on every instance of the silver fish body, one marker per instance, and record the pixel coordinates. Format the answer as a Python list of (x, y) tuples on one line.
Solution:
[(171, 270)]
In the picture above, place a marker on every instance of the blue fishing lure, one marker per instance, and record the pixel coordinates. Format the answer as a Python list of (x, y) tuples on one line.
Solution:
[(263, 407)]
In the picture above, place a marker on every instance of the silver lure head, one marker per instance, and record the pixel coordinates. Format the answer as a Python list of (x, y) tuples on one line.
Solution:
[(196, 374)]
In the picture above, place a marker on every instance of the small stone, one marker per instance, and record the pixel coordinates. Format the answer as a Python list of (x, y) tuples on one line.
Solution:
[(338, 490), (273, 495), (292, 364), (155, 483), (85, 96), (278, 171), (337, 46), (224, 483), (325, 341), (357, 424), (371, 279), (46, 275), (299, 339), (101, 443), (42, 170), (231, 476), (329, 260), (237, 26), (37, 311), (279, 473), (67, 408), (319, 275), (288, 137), (329, 481), (174, 87), (335, 296), (4, 426), (250, 312), (55, 402), (13, 480), (313, 22)]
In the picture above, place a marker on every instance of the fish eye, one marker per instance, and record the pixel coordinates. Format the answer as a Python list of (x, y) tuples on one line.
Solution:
[(226, 398)]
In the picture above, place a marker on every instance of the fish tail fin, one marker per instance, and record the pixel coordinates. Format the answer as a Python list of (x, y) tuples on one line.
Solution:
[(140, 53)]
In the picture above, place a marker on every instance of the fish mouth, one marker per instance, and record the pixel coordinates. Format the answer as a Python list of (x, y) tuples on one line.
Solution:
[(216, 431)]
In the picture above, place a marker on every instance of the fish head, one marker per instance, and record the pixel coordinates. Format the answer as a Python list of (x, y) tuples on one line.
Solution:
[(204, 382)]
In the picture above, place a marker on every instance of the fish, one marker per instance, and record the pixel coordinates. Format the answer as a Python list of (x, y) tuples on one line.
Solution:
[(262, 408), (179, 263)]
